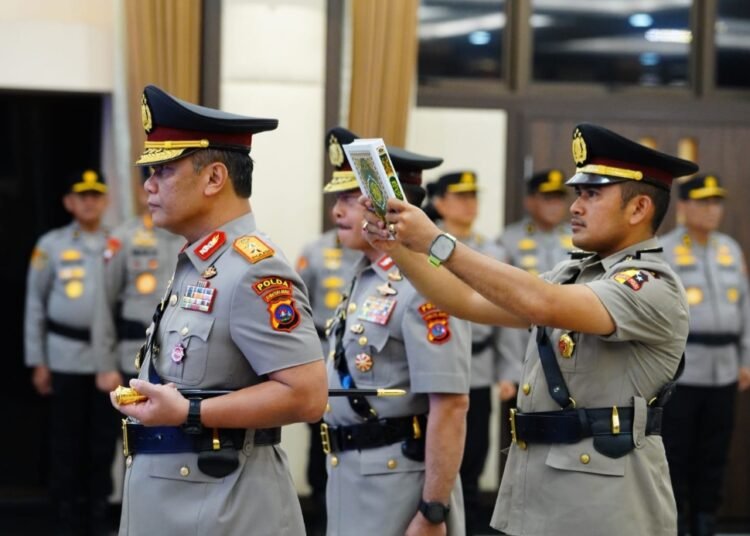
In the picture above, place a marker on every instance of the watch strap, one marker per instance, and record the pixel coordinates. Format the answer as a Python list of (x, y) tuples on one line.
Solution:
[(193, 423)]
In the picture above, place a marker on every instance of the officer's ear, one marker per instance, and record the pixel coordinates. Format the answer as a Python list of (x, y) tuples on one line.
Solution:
[(68, 200), (216, 176), (640, 208)]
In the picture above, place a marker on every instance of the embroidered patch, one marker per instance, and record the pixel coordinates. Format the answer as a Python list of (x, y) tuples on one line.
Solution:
[(199, 297), (377, 310), (253, 248), (209, 246), (38, 259), (526, 244), (113, 247), (437, 321), (733, 294), (633, 278), (277, 292)]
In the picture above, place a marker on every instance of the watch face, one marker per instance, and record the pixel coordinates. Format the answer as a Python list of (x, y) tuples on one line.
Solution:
[(442, 247)]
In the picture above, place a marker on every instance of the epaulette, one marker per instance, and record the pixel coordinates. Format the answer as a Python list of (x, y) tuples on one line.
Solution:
[(253, 248), (640, 252), (578, 254)]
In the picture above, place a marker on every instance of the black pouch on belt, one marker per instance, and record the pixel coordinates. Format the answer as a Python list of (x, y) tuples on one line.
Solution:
[(614, 446), (220, 462), (413, 448)]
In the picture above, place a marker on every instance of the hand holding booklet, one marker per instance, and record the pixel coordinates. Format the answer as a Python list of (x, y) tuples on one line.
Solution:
[(375, 174)]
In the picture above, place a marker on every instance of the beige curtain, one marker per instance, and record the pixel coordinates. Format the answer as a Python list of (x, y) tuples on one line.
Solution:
[(164, 48), (383, 67)]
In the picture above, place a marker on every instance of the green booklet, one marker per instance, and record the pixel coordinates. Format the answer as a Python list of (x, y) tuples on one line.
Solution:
[(374, 170)]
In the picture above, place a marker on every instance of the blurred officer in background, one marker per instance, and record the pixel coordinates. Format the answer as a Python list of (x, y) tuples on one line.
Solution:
[(234, 318), (536, 243), (698, 421), (60, 295), (393, 462), (137, 264), (453, 197), (326, 267)]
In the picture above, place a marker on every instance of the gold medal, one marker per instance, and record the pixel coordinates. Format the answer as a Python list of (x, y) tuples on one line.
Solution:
[(145, 283), (363, 362), (209, 272), (566, 345), (333, 299), (74, 289), (694, 295), (395, 276)]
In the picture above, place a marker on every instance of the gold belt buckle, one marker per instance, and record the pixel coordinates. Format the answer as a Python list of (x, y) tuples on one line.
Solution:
[(125, 446), (513, 437), (325, 439)]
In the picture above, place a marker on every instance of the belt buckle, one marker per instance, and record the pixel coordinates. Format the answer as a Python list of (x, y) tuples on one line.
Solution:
[(325, 438), (125, 444), (513, 434)]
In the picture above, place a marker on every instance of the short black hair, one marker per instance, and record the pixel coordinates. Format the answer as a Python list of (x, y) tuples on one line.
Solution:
[(239, 165), (659, 196)]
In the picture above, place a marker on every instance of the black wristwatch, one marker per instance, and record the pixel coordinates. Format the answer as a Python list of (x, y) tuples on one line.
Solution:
[(434, 512), (193, 423)]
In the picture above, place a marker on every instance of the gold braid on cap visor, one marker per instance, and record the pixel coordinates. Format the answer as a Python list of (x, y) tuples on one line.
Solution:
[(620, 173)]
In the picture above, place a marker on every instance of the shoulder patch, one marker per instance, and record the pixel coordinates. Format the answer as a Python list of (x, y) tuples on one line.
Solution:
[(437, 322), (39, 259), (386, 263), (113, 247), (634, 278), (253, 248), (277, 292), (209, 246)]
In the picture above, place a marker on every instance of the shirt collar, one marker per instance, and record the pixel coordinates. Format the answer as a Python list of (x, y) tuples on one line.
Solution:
[(224, 236), (630, 251)]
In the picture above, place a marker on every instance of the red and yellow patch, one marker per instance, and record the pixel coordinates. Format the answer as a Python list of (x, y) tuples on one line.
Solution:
[(437, 321), (253, 248), (113, 248), (633, 278), (209, 246), (277, 292), (386, 263)]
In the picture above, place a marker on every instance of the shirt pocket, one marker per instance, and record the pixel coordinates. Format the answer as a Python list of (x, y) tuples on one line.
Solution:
[(191, 333), (582, 457), (182, 467), (369, 364), (387, 460)]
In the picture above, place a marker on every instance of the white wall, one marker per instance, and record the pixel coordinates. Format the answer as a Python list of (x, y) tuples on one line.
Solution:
[(61, 45), (466, 139), (273, 65)]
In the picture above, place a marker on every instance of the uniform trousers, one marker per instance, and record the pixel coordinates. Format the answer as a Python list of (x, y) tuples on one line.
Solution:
[(697, 429), (83, 430), (475, 454)]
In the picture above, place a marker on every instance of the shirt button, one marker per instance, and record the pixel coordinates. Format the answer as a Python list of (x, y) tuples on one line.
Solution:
[(173, 299), (184, 331), (334, 461), (392, 464), (585, 459), (526, 388), (362, 340), (184, 470)]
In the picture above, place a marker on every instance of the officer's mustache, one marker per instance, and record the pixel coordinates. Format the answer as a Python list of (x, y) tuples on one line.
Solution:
[(577, 221)]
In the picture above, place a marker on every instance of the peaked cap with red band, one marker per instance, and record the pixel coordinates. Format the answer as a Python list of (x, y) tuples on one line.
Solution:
[(603, 157), (175, 128)]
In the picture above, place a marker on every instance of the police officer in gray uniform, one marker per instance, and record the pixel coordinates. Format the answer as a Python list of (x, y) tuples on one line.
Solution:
[(137, 264), (536, 244), (234, 318), (60, 295), (609, 330), (699, 419), (326, 267), (393, 462), (453, 197)]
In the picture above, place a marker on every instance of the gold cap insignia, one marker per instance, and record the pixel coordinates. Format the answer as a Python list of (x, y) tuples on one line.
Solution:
[(467, 177), (710, 182), (579, 147), (146, 115), (555, 176), (335, 152)]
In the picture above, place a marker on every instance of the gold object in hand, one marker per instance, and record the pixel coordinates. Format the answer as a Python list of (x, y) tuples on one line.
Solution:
[(128, 395)]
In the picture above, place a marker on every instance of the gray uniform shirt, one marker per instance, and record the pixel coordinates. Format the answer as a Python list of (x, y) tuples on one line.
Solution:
[(327, 268), (257, 322), (555, 489), (137, 265), (715, 279), (60, 286), (392, 340), (484, 362), (536, 251)]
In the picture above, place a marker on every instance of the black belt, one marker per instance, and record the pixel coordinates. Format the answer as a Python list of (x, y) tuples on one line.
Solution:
[(370, 435), (130, 330), (480, 346), (713, 339), (137, 438), (68, 332), (573, 425)]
